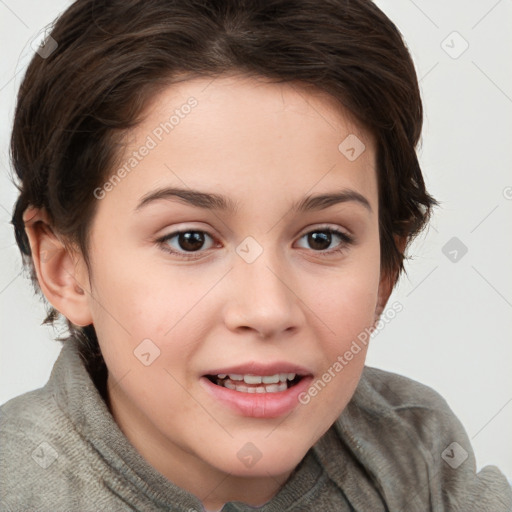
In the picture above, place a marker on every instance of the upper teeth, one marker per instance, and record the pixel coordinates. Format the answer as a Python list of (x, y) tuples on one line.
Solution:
[(258, 379)]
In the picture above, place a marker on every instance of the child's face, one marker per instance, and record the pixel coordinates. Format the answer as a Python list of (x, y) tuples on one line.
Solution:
[(264, 147)]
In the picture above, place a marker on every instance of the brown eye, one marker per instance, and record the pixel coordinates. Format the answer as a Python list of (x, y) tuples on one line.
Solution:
[(191, 240), (185, 241), (320, 240)]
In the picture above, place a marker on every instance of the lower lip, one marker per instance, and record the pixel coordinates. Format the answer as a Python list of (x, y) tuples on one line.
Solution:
[(258, 405)]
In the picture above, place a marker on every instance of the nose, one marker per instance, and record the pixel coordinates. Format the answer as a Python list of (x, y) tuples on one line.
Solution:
[(263, 297)]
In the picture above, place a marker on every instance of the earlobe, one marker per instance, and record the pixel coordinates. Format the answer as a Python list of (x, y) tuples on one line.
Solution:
[(61, 273)]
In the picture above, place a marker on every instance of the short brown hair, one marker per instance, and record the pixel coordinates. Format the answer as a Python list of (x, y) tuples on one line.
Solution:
[(112, 56)]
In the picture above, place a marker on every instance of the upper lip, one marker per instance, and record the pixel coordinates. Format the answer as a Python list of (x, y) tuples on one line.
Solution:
[(263, 369)]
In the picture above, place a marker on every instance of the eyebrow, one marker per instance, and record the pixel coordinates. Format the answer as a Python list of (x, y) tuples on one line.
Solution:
[(212, 201)]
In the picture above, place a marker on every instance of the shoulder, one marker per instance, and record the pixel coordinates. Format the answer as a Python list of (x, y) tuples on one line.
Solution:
[(27, 418), (45, 460), (395, 391), (407, 437), (29, 424), (392, 395), (413, 414), (34, 433), (36, 416), (25, 409)]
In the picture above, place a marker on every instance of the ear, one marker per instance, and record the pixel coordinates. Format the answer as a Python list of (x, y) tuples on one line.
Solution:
[(387, 281), (61, 272)]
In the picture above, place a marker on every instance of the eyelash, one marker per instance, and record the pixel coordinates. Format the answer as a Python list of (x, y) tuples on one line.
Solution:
[(346, 241)]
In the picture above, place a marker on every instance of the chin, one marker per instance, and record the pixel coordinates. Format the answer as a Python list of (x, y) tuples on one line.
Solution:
[(260, 458)]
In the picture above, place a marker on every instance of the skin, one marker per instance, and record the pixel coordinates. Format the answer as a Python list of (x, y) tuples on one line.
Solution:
[(264, 146)]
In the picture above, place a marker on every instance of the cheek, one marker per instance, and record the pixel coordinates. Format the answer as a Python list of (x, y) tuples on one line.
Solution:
[(347, 301), (346, 304), (348, 308), (143, 300), (349, 316), (139, 310)]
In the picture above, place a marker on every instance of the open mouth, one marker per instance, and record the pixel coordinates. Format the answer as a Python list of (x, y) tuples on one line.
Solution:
[(256, 383)]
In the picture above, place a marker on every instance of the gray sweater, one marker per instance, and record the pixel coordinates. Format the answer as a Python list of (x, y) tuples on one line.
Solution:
[(396, 447)]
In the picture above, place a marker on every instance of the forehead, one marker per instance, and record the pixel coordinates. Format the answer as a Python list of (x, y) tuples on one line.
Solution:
[(247, 133), (237, 95)]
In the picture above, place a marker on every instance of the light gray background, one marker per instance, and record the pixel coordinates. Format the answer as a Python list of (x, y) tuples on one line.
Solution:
[(454, 333)]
